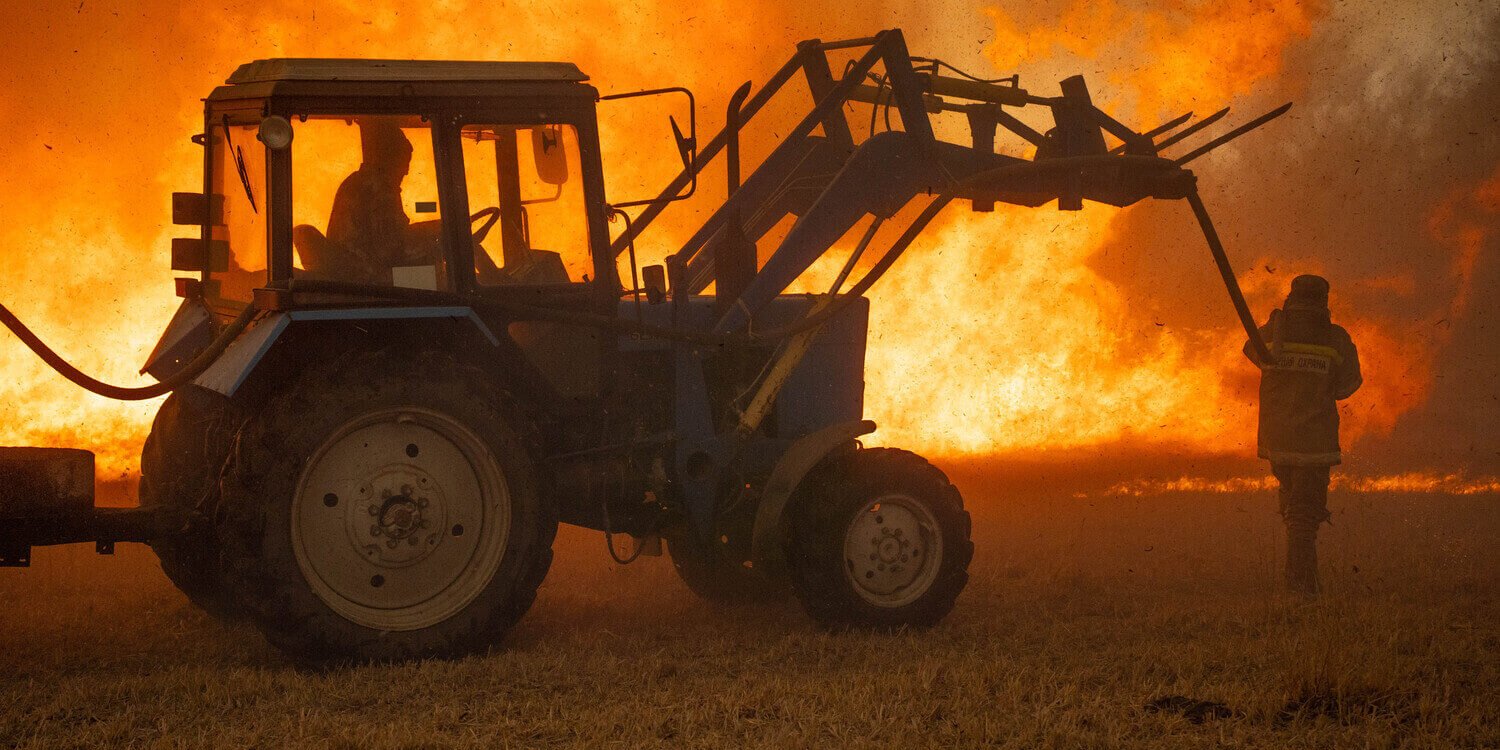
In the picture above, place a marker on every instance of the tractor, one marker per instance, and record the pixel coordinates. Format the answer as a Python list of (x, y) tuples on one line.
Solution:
[(410, 345)]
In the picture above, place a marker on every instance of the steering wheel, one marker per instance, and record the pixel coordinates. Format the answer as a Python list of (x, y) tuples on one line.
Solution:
[(494, 215)]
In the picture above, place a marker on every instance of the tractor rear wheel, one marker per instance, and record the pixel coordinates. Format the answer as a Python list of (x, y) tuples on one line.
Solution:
[(879, 539), (180, 467), (387, 508)]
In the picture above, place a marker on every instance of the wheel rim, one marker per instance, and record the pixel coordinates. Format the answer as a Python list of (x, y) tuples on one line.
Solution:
[(893, 548), (400, 519)]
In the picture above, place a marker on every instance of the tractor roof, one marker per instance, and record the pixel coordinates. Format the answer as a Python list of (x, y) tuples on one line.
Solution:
[(308, 79), (401, 71)]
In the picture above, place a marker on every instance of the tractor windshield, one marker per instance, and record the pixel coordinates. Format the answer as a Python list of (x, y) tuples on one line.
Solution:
[(526, 202), (365, 201), (237, 174)]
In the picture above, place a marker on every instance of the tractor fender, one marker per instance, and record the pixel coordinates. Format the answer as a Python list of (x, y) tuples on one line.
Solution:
[(235, 365), (790, 469)]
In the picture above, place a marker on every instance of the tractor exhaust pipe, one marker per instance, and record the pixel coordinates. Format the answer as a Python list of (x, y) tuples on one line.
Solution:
[(734, 254)]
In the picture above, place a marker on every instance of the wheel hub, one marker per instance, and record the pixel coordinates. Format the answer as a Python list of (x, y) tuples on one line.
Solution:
[(401, 518), (892, 550), (398, 516)]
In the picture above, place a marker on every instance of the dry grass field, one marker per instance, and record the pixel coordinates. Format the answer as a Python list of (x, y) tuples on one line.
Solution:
[(1082, 617)]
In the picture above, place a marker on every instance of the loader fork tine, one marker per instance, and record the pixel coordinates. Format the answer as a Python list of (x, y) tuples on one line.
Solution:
[(1191, 129), (1233, 134)]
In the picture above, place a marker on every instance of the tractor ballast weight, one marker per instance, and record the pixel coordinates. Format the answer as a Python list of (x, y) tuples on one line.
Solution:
[(368, 459)]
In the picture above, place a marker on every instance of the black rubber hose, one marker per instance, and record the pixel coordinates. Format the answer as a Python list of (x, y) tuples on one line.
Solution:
[(178, 379)]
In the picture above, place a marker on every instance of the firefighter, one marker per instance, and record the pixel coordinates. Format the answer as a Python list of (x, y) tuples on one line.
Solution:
[(368, 222), (1314, 365)]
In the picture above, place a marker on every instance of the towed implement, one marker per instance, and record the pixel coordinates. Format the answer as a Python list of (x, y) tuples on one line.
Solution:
[(409, 346)]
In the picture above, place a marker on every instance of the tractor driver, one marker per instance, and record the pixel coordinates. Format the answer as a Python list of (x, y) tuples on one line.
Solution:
[(368, 222), (1314, 366)]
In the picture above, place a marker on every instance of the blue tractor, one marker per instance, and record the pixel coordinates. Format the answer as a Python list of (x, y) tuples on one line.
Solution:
[(409, 347)]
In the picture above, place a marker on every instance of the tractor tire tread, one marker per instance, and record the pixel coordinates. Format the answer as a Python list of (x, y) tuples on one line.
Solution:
[(181, 464), (821, 510), (276, 597)]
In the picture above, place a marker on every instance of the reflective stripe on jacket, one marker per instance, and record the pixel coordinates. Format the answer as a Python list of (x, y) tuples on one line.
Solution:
[(1316, 365)]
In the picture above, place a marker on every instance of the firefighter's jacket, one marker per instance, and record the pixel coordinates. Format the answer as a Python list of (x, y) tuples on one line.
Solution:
[(1316, 365)]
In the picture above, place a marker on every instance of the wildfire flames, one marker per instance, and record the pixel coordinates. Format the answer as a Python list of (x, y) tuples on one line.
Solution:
[(998, 332)]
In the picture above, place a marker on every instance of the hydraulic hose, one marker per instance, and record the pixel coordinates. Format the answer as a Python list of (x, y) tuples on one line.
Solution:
[(119, 393)]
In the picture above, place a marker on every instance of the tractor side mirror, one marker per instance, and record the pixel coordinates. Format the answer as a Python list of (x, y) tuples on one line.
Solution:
[(654, 280), (549, 155), (687, 145)]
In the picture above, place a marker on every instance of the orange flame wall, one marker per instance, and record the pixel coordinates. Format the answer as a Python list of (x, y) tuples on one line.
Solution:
[(1021, 330)]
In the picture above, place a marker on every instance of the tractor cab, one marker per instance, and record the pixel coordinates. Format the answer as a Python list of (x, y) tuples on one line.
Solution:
[(441, 176)]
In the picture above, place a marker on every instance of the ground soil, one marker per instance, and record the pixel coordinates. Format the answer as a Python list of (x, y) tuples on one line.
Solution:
[(1090, 621)]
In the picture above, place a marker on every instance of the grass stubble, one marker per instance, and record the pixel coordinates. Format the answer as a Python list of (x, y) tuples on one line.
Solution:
[(1082, 617)]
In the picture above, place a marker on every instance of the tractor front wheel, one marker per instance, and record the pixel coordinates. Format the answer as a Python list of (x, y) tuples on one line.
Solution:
[(879, 538), (387, 508)]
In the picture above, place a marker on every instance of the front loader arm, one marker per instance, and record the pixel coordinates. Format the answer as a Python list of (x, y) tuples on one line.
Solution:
[(881, 177), (830, 182)]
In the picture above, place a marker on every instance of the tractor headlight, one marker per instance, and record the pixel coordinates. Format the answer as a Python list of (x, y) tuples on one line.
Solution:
[(275, 132)]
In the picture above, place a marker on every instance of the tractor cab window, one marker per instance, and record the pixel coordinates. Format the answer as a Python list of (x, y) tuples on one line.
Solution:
[(237, 175), (526, 204), (365, 201)]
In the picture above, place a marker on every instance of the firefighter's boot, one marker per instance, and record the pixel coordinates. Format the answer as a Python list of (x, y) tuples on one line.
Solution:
[(1302, 558)]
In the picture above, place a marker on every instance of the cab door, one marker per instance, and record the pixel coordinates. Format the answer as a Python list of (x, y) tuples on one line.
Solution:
[(535, 233)]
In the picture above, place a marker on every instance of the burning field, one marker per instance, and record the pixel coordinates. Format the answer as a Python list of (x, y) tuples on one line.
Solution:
[(1078, 373), (1119, 622)]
